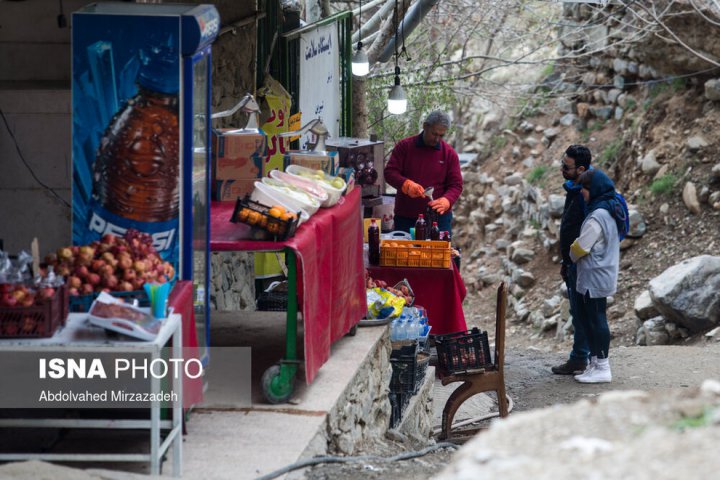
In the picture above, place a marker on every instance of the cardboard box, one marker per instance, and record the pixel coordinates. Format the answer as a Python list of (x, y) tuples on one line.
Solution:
[(238, 153), (327, 163), (230, 190), (238, 157)]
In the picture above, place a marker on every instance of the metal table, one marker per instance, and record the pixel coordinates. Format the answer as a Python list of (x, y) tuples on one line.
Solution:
[(79, 336)]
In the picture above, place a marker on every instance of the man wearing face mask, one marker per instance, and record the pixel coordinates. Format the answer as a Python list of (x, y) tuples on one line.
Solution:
[(575, 162), (420, 162)]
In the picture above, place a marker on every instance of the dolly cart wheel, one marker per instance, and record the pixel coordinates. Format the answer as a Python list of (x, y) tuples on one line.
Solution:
[(278, 382)]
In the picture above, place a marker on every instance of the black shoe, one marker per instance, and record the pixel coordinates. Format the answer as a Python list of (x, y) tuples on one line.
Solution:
[(571, 367)]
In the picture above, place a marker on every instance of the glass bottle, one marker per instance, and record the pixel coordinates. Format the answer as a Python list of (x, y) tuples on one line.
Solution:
[(373, 243), (136, 170), (420, 228), (434, 232)]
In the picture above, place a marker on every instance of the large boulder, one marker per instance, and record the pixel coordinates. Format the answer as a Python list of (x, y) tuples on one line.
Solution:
[(689, 293)]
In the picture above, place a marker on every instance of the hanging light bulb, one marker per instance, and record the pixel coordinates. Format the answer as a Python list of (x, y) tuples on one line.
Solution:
[(360, 63), (397, 101)]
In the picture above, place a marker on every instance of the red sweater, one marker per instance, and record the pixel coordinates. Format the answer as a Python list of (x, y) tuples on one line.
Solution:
[(437, 167)]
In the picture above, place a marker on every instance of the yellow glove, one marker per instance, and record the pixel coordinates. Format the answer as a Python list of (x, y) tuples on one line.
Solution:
[(412, 189), (441, 205)]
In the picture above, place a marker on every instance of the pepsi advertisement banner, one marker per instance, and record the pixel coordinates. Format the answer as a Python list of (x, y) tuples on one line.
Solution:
[(126, 145)]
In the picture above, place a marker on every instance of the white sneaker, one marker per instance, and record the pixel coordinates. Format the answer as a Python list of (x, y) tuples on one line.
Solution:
[(590, 367), (599, 374)]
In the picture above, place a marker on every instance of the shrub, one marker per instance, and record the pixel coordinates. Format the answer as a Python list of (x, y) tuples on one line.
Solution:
[(663, 185), (536, 174)]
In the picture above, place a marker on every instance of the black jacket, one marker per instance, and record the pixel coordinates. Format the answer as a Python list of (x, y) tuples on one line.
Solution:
[(572, 219)]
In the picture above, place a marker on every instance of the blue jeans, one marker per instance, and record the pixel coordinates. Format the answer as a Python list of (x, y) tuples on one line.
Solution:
[(581, 348), (593, 316), (405, 223)]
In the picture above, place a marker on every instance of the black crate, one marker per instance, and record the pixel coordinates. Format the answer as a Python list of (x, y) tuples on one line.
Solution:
[(407, 372), (272, 301), (82, 303), (264, 226), (461, 352)]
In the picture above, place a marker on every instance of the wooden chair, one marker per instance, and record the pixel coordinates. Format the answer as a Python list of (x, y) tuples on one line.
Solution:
[(489, 379)]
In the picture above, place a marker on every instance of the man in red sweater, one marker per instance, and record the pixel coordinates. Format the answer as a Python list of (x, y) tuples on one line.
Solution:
[(423, 161)]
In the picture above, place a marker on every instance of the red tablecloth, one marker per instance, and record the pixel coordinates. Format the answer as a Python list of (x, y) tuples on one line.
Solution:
[(440, 290), (331, 278), (181, 300)]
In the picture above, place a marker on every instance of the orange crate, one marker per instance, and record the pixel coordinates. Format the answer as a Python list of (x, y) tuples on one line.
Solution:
[(37, 321), (415, 253)]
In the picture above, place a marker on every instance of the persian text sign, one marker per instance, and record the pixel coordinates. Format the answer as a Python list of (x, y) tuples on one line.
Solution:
[(320, 79)]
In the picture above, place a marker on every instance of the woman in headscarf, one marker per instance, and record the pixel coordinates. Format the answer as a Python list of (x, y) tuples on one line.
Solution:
[(597, 255)]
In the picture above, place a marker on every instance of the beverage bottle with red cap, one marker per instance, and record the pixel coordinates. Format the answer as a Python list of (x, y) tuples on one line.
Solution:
[(420, 228), (434, 232), (373, 243)]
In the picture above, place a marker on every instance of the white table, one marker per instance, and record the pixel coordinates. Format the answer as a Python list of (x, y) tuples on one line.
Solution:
[(79, 336)]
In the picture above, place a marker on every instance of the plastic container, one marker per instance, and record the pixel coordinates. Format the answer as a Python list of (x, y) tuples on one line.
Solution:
[(306, 202), (413, 253), (269, 196), (461, 352), (310, 187), (324, 181), (37, 321), (264, 226)]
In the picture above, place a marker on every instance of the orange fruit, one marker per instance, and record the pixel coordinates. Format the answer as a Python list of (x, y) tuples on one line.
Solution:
[(288, 216), (280, 208), (275, 212), (243, 214), (253, 217)]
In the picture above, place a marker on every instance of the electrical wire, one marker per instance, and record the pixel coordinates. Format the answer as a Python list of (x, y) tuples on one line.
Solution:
[(359, 459), (22, 158)]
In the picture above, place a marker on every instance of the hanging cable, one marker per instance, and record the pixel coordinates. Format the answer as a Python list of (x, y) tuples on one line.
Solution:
[(22, 158), (402, 27)]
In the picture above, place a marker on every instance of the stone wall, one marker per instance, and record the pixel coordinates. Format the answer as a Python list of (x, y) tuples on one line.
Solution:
[(364, 413), (232, 285)]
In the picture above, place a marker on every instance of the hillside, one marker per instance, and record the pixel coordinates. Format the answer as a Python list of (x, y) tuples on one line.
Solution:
[(664, 140)]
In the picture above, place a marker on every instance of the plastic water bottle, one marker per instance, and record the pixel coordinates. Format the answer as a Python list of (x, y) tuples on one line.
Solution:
[(373, 243), (420, 228)]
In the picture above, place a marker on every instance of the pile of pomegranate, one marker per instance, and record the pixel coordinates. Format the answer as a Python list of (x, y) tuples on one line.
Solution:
[(111, 264)]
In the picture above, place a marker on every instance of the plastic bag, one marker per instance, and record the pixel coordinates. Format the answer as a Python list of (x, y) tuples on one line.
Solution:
[(402, 289), (383, 304)]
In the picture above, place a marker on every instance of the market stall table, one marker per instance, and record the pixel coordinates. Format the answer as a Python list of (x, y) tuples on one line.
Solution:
[(325, 274), (78, 336), (440, 290)]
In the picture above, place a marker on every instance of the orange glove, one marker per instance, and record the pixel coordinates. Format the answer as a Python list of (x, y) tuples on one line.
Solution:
[(412, 189), (440, 205)]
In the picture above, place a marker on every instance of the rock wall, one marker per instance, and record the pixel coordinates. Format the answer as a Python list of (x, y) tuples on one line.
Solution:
[(364, 412)]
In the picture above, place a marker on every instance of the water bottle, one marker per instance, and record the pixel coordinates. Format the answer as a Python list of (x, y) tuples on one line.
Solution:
[(420, 228), (136, 170), (373, 243)]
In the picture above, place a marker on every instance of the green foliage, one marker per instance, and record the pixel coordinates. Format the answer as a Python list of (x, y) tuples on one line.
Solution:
[(534, 224), (702, 420), (498, 142), (422, 99), (664, 185), (678, 84), (537, 174), (598, 125), (548, 70), (610, 153), (630, 104)]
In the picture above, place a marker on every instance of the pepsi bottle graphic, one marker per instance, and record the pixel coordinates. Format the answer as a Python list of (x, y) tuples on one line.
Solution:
[(136, 171)]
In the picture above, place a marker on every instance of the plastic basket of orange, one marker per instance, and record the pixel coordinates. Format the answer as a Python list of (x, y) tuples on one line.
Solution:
[(267, 222)]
